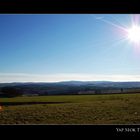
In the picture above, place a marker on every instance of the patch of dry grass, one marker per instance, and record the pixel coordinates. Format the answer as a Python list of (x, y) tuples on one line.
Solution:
[(76, 109)]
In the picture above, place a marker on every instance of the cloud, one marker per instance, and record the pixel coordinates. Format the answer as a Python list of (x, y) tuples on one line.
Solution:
[(25, 77), (99, 18)]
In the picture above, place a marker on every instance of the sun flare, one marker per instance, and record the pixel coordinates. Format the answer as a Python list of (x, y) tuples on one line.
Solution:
[(134, 34)]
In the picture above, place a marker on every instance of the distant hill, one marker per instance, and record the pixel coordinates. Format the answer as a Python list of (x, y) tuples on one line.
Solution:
[(72, 87), (76, 83)]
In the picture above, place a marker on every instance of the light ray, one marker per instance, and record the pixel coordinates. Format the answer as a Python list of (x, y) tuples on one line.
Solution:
[(123, 25), (111, 23)]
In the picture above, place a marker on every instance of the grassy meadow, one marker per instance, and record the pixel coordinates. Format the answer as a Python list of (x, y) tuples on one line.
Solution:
[(71, 109)]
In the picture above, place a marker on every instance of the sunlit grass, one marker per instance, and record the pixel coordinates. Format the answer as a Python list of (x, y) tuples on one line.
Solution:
[(76, 109)]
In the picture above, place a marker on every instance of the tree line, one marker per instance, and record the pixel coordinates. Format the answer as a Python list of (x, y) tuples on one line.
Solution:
[(10, 92)]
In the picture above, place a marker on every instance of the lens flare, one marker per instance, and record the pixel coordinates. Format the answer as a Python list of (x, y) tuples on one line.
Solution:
[(134, 34)]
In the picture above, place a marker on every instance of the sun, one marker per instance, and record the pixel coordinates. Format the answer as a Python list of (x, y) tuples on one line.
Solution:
[(133, 34)]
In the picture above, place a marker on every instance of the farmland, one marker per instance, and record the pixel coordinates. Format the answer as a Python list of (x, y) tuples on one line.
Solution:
[(71, 109)]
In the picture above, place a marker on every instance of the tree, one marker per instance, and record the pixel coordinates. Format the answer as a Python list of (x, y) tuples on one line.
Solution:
[(11, 91), (97, 91)]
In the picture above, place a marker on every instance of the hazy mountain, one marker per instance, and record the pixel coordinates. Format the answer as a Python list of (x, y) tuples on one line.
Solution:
[(71, 87), (76, 83)]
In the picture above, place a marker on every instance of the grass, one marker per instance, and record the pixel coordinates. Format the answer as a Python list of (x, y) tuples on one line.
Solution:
[(72, 109)]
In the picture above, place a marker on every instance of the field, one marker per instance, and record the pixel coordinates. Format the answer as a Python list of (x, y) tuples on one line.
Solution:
[(71, 109)]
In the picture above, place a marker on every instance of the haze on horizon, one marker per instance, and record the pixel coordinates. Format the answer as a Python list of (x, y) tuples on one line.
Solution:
[(64, 47)]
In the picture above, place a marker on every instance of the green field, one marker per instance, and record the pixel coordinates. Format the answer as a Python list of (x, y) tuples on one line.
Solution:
[(71, 109)]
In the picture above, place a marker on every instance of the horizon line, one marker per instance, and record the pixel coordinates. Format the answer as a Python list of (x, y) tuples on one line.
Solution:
[(66, 81), (60, 77)]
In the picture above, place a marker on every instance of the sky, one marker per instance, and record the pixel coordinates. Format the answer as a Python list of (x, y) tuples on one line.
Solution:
[(62, 47)]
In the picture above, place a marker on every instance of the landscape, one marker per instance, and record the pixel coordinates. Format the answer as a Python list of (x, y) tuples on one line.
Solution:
[(69, 69), (71, 102)]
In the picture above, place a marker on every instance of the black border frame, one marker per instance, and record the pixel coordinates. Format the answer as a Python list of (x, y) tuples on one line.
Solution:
[(67, 7)]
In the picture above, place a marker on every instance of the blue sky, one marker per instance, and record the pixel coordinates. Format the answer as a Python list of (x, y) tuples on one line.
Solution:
[(58, 47)]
